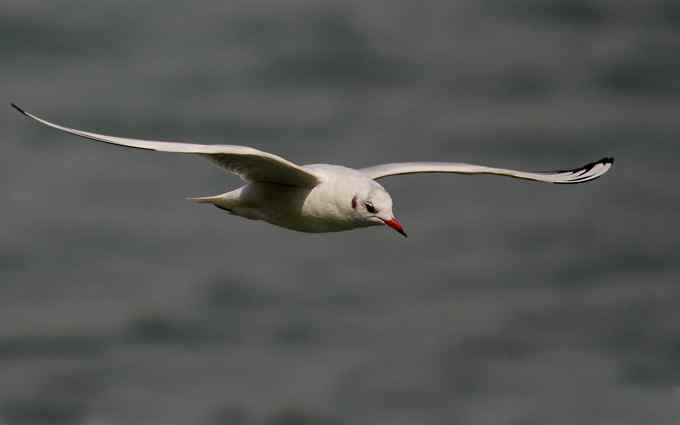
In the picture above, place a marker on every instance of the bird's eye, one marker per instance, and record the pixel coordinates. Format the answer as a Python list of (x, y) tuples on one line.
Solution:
[(370, 208)]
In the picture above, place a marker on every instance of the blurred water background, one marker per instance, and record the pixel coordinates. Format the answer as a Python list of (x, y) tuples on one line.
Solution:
[(510, 303)]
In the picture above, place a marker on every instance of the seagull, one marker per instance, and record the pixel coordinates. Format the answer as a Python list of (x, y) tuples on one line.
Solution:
[(318, 198)]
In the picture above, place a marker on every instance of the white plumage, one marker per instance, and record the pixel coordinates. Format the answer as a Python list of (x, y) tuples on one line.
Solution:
[(318, 197)]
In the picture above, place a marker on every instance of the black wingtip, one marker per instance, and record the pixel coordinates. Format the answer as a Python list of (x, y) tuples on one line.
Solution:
[(14, 105), (606, 160), (589, 166)]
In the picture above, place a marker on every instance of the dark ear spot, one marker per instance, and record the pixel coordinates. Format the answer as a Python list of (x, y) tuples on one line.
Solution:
[(354, 202)]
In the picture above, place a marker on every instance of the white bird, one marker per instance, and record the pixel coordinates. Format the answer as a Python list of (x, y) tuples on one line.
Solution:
[(318, 197)]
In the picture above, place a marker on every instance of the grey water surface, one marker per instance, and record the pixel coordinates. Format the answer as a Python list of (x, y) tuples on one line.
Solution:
[(510, 303)]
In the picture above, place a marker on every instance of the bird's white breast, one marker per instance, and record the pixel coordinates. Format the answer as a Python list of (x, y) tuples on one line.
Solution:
[(323, 208)]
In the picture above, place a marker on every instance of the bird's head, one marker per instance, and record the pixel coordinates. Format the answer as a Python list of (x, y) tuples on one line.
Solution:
[(373, 206)]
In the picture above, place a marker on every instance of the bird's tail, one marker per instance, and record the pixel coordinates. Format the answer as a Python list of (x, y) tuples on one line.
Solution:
[(223, 201), (206, 199)]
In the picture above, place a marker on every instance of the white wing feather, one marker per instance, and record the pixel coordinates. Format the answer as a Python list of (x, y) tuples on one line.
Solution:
[(248, 163), (581, 174)]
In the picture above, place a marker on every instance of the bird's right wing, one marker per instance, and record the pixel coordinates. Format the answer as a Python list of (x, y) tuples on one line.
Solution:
[(581, 174), (250, 164)]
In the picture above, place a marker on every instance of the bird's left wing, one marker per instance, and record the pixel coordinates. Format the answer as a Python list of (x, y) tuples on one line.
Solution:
[(581, 174), (250, 164)]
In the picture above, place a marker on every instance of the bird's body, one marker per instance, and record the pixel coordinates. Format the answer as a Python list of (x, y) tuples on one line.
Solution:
[(319, 198), (326, 207)]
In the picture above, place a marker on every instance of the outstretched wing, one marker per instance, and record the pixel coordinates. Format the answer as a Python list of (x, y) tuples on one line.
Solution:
[(248, 163), (581, 174)]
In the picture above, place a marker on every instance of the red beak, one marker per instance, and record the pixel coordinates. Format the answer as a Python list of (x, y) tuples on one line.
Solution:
[(394, 223)]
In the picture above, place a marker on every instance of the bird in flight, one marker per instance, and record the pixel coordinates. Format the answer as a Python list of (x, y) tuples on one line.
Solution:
[(318, 198)]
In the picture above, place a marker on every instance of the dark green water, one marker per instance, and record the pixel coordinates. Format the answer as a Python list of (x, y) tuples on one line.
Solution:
[(510, 302)]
